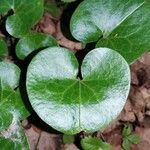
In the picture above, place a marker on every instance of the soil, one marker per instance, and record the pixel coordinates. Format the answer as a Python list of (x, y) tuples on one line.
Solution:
[(135, 112)]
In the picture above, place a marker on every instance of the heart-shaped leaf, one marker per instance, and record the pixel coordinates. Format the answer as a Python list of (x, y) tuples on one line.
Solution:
[(12, 108), (3, 49), (69, 104), (33, 41), (118, 24), (26, 15)]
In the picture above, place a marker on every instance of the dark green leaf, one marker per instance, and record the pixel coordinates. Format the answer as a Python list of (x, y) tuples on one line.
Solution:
[(134, 138), (68, 1), (14, 138), (34, 41), (12, 108), (10, 99), (121, 25), (92, 143), (3, 49), (53, 9), (5, 5), (68, 139), (26, 15), (69, 104), (126, 144)]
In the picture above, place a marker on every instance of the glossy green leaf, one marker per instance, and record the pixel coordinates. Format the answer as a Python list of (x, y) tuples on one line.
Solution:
[(69, 104), (121, 25), (92, 143), (12, 108), (33, 41), (26, 15), (3, 49)]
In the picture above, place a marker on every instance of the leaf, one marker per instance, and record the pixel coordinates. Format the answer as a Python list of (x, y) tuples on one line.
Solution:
[(52, 9), (12, 108), (5, 6), (68, 1), (69, 104), (3, 49), (26, 15), (127, 130), (92, 143), (120, 25), (68, 139), (126, 144), (32, 42), (134, 138), (7, 144), (14, 137)]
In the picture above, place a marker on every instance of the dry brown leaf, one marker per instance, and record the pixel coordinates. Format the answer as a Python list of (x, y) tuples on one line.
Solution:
[(63, 41)]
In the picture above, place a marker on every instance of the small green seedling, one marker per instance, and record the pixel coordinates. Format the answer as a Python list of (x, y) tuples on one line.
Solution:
[(93, 143), (129, 137)]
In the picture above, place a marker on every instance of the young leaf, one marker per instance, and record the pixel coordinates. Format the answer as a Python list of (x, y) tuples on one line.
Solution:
[(12, 108), (126, 144), (92, 143), (68, 1), (129, 137), (52, 9), (121, 25), (33, 41), (127, 130), (26, 15), (134, 138), (3, 49), (69, 104), (68, 139)]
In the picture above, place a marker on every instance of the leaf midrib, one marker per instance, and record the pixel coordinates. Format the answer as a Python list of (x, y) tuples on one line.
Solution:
[(80, 82)]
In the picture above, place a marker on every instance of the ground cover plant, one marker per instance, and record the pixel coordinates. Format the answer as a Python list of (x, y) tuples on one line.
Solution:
[(39, 75)]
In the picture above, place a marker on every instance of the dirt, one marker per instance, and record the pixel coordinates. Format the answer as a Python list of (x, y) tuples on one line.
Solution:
[(50, 25)]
